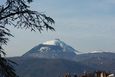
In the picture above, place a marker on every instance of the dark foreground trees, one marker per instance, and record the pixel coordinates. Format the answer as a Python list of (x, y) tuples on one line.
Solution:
[(17, 13)]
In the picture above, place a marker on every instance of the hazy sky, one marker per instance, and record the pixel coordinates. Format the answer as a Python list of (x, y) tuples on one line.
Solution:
[(86, 25)]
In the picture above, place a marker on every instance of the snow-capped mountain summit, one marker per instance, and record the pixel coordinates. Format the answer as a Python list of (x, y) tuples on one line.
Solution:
[(52, 49), (59, 43), (54, 42)]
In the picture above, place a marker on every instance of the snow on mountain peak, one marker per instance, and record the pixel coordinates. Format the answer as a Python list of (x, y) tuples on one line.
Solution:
[(52, 49), (97, 52), (53, 42), (56, 42)]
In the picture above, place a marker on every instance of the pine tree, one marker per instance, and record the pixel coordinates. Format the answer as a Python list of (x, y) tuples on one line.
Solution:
[(17, 13)]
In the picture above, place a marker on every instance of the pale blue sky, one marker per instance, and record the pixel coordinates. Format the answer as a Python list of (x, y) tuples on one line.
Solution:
[(86, 25)]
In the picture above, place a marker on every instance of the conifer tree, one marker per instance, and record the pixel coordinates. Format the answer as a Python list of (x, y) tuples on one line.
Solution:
[(17, 13)]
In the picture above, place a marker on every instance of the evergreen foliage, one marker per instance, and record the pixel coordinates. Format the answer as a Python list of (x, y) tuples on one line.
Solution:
[(17, 13)]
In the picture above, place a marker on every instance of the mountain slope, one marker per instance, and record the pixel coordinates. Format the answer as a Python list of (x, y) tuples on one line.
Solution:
[(100, 61), (37, 67), (52, 49), (40, 67)]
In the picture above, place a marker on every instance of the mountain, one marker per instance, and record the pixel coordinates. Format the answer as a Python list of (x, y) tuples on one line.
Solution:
[(100, 52), (54, 58), (42, 67), (53, 49), (98, 60), (38, 67)]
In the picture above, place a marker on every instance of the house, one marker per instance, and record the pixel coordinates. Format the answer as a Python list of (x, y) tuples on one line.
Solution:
[(91, 74), (111, 75), (98, 74), (101, 74)]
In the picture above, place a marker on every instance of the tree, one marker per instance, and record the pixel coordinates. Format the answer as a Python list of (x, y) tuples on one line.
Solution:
[(17, 13)]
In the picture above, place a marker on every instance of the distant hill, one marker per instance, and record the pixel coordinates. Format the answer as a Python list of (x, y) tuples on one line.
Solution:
[(37, 67), (99, 61)]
